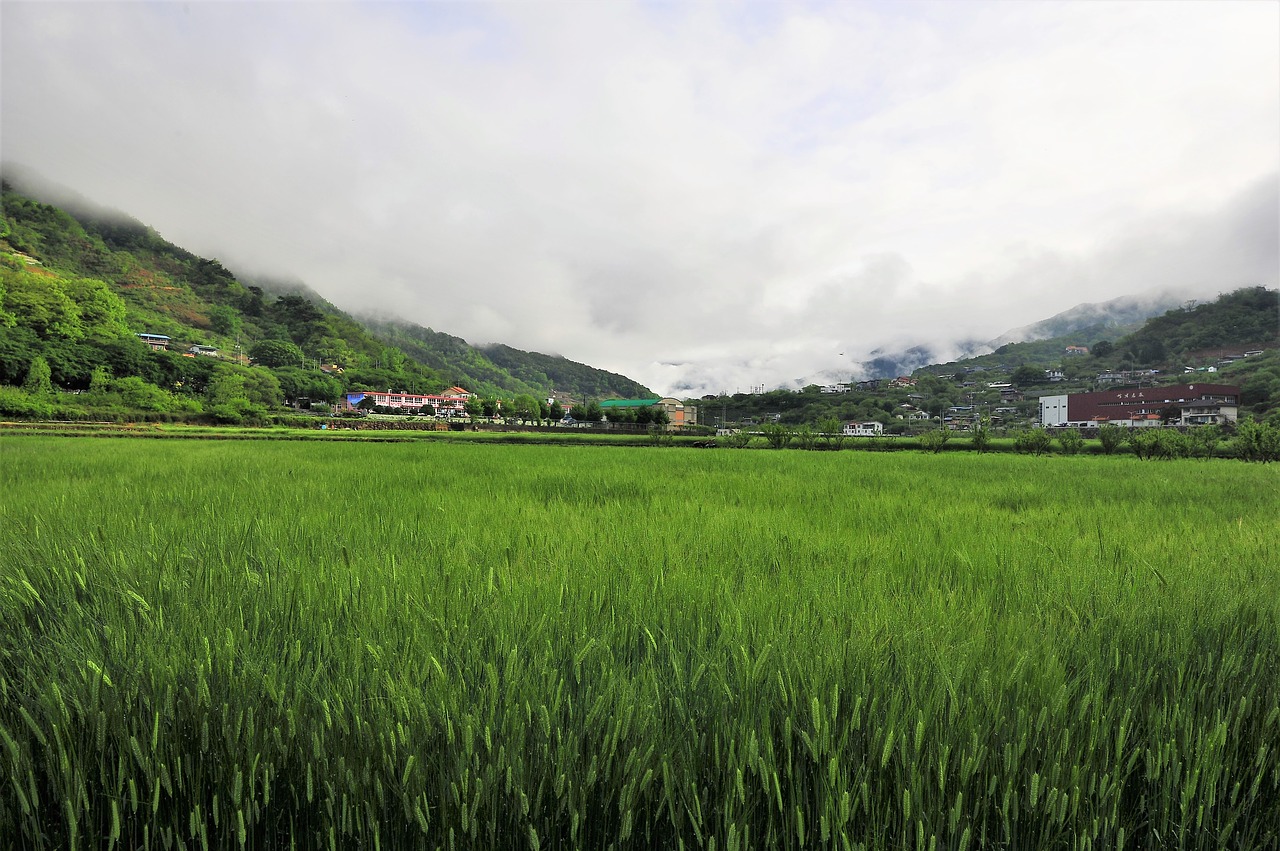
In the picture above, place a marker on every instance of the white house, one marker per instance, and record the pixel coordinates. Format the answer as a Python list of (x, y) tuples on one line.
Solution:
[(868, 429)]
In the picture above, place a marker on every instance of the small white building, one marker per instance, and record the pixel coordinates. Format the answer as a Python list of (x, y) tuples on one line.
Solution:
[(868, 429)]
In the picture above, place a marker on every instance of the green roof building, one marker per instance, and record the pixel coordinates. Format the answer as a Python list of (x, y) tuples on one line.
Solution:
[(678, 414), (617, 404)]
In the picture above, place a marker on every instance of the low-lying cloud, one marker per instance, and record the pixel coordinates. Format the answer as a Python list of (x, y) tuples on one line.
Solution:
[(704, 197)]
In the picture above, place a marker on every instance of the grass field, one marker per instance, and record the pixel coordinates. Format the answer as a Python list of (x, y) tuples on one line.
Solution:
[(232, 644)]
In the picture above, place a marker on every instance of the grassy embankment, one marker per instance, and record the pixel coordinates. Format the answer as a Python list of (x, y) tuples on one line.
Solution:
[(445, 645)]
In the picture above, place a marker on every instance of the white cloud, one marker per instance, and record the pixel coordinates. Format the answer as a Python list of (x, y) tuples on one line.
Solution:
[(696, 195)]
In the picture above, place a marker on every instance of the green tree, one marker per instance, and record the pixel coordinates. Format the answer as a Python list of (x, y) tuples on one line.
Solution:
[(276, 353), (555, 411), (934, 441), (777, 435), (1034, 441), (1142, 441), (102, 312), (1070, 440), (1255, 441), (15, 402), (981, 437), (1102, 348), (1111, 436), (1172, 443), (225, 320), (100, 380), (228, 399), (1205, 439), (7, 319), (262, 388), (832, 432), (1027, 375), (39, 302), (141, 395), (39, 380), (525, 407)]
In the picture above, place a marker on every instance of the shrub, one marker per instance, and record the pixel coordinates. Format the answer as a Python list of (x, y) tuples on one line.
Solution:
[(1111, 436), (981, 439), (1071, 441), (1142, 441), (1205, 439), (1172, 443), (933, 441), (777, 435), (1255, 441), (1035, 441), (15, 402)]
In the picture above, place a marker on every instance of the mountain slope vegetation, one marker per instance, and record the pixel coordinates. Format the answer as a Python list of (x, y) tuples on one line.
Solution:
[(77, 289)]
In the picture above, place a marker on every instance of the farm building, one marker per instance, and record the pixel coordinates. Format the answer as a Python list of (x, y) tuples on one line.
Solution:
[(1195, 404), (157, 342)]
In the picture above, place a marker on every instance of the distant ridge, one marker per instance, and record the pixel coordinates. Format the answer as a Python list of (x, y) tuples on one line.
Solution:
[(1123, 311), (1090, 321)]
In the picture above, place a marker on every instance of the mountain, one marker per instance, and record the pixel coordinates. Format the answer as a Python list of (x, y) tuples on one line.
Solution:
[(515, 370), (1125, 311), (1244, 319), (1081, 325), (889, 364), (1193, 337), (79, 283)]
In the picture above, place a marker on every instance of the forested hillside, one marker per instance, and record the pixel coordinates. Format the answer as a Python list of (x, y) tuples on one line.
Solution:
[(1208, 339), (76, 290), (1237, 319)]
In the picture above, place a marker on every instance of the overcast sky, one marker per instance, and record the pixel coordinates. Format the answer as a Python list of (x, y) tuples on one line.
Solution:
[(702, 196)]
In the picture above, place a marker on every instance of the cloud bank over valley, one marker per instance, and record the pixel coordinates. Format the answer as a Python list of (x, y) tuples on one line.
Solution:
[(701, 196)]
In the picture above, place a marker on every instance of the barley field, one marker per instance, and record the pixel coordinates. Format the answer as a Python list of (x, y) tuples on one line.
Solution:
[(300, 645)]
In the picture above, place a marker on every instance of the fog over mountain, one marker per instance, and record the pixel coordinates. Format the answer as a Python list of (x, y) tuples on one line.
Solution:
[(702, 197)]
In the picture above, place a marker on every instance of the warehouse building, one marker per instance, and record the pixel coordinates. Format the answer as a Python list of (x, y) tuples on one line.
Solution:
[(1188, 404)]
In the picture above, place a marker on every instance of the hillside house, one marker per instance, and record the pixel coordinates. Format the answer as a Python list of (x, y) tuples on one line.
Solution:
[(157, 342)]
